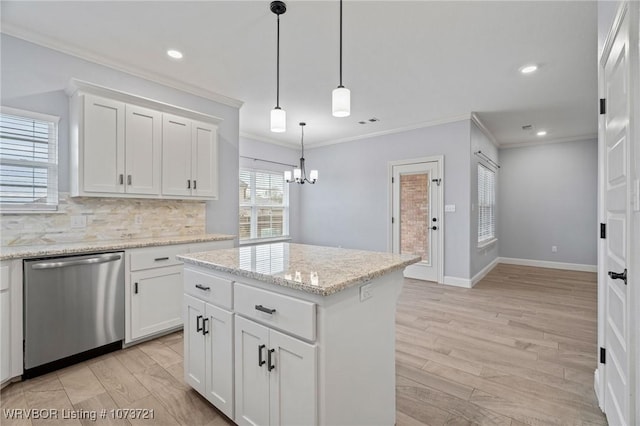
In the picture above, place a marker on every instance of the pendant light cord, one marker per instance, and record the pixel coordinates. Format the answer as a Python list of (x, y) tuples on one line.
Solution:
[(278, 66), (340, 44), (302, 140)]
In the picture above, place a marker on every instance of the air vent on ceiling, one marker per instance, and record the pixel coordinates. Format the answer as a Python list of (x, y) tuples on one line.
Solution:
[(527, 127)]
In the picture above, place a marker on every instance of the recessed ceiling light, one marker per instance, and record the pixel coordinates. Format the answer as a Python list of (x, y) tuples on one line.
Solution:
[(528, 69), (175, 54), (542, 133)]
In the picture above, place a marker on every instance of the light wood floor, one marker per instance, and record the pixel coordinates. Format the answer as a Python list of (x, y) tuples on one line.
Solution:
[(519, 348)]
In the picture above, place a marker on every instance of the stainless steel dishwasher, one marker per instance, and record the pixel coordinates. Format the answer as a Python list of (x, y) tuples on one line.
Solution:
[(73, 309)]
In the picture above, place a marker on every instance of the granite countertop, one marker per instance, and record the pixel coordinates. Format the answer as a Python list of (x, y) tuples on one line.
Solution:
[(18, 252), (312, 269)]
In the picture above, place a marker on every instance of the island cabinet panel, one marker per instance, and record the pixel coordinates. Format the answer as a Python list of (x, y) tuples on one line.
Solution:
[(208, 352), (276, 377)]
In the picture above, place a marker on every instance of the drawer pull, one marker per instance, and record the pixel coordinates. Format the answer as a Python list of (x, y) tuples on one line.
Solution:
[(270, 366), (265, 310), (202, 287), (158, 259), (205, 330), (198, 325), (261, 361)]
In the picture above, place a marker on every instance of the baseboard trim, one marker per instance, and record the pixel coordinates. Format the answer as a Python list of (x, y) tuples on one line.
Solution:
[(548, 264), (458, 282), (483, 273)]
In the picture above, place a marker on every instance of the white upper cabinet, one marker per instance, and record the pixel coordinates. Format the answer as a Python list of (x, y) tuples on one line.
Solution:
[(190, 158), (126, 146)]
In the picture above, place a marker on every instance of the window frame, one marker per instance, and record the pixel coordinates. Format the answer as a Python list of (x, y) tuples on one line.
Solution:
[(492, 237), (254, 206)]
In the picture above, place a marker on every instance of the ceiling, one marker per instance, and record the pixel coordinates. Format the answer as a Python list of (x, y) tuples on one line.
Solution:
[(409, 64)]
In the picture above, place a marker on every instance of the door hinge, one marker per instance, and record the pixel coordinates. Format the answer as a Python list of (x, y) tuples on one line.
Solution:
[(603, 106), (603, 356), (393, 220), (603, 230), (393, 180)]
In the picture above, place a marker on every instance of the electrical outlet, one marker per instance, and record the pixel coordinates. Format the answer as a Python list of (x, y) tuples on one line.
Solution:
[(554, 249), (78, 221), (366, 292), (138, 219)]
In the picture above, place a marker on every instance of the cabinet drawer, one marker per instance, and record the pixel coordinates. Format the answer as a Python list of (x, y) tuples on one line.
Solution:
[(156, 257), (208, 287), (291, 315)]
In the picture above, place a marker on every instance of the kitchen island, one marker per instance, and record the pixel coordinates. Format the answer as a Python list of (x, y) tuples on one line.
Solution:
[(293, 334)]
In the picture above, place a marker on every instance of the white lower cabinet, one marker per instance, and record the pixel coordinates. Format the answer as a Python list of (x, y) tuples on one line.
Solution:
[(276, 377), (154, 293), (208, 352), (10, 320)]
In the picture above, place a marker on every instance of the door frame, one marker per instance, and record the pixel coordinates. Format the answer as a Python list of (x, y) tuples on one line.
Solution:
[(632, 9), (440, 195)]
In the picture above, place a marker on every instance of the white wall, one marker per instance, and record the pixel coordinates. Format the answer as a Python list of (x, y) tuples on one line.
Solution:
[(349, 205), (547, 197), (268, 151), (34, 78), (480, 257)]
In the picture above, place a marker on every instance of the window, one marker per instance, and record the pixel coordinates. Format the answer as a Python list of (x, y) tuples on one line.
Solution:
[(486, 205), (264, 204), (28, 161)]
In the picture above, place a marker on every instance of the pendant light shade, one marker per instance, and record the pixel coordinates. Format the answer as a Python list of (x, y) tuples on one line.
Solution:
[(341, 102), (278, 120), (278, 115), (341, 96)]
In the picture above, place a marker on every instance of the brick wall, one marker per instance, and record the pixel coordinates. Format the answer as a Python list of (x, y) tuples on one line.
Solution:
[(414, 214)]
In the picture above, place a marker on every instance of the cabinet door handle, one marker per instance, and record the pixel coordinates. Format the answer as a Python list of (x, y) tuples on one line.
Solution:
[(261, 361), (203, 287), (121, 179), (158, 259), (188, 183), (205, 330), (198, 325), (194, 184), (265, 310), (135, 288), (270, 366), (128, 179)]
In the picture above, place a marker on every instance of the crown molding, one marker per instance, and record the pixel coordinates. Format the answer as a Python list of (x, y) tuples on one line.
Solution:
[(33, 37), (422, 125), (269, 140), (590, 136), (478, 122)]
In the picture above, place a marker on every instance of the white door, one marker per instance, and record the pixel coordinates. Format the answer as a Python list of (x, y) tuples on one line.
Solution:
[(155, 300), (205, 160), (416, 221), (293, 381), (218, 332), (176, 155), (143, 155), (617, 398), (252, 375), (194, 343), (103, 145)]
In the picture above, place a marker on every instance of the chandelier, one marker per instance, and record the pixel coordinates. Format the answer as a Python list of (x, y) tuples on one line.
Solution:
[(300, 174)]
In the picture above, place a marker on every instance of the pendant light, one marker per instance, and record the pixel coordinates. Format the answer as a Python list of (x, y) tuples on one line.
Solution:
[(300, 174), (278, 115), (341, 96)]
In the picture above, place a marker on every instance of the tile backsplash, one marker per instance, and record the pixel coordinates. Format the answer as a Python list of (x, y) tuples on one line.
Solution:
[(106, 219)]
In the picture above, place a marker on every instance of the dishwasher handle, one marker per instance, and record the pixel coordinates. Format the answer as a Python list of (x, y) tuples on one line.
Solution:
[(103, 258)]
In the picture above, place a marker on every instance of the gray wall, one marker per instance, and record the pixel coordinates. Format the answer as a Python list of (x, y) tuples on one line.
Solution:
[(349, 206), (547, 196), (480, 257), (268, 151), (34, 78)]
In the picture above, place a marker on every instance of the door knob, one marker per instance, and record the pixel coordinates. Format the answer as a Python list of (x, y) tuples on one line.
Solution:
[(434, 228), (435, 219), (619, 276)]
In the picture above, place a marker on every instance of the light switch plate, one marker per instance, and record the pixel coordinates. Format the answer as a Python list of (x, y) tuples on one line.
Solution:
[(78, 221), (450, 208), (366, 292)]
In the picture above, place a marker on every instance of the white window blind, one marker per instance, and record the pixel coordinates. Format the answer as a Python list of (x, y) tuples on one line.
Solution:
[(28, 161), (486, 205), (264, 204)]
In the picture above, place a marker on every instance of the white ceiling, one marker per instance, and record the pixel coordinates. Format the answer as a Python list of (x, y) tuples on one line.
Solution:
[(410, 64)]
